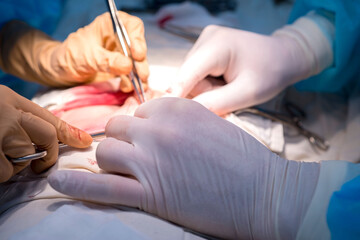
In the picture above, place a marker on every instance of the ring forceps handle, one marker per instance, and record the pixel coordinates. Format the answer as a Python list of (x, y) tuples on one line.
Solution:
[(125, 43), (37, 155), (29, 157), (314, 139)]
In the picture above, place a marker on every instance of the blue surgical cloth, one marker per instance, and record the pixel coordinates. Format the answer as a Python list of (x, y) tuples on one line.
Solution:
[(343, 216), (40, 14), (346, 67)]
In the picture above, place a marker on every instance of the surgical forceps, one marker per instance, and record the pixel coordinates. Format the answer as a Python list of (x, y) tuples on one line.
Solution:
[(124, 40), (42, 153), (292, 119)]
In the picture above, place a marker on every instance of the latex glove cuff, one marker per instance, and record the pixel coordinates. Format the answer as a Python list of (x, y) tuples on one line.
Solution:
[(333, 174), (315, 35)]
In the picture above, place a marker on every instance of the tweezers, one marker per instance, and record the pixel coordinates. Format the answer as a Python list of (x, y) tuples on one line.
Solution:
[(42, 153), (124, 40)]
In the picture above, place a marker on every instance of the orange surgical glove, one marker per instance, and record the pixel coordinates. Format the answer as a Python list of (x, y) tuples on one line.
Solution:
[(32, 55), (22, 123)]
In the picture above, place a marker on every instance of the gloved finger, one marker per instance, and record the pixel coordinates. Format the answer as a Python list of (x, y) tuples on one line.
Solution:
[(143, 73), (228, 98), (126, 84), (6, 168), (208, 84), (135, 28), (15, 147), (104, 188), (66, 133), (101, 77), (14, 140), (152, 107), (123, 128), (156, 108), (143, 70), (112, 62), (43, 134), (116, 156), (199, 65)]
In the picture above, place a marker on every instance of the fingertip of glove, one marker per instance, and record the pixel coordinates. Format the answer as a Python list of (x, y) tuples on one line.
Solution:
[(85, 139), (56, 179), (120, 64), (73, 136), (139, 53)]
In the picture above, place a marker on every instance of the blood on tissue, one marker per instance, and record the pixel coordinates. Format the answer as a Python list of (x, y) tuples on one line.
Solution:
[(107, 98), (92, 161), (161, 22)]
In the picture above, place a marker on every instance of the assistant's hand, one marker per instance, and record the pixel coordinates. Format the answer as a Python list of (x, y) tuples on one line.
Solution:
[(22, 123), (255, 67), (181, 162), (32, 55)]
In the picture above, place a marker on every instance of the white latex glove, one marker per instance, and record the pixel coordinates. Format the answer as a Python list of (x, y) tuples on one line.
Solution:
[(255, 67), (183, 163)]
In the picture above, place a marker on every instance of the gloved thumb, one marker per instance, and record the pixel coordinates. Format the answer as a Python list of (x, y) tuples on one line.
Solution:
[(197, 66), (227, 98)]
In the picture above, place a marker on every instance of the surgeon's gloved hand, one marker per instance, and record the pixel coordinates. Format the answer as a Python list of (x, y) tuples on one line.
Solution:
[(32, 55), (255, 67), (183, 163), (22, 123)]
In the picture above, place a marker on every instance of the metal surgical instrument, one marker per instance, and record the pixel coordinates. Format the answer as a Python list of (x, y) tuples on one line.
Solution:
[(39, 153), (292, 119), (124, 40), (30, 157)]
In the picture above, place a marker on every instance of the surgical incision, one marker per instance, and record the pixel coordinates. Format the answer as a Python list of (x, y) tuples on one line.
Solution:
[(89, 107)]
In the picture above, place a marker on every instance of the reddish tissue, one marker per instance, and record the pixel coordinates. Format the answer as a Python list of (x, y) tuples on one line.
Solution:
[(89, 107), (165, 19), (107, 98)]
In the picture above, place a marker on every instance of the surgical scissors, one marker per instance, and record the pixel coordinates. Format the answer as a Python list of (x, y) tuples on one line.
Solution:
[(125, 43), (293, 119), (39, 153)]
